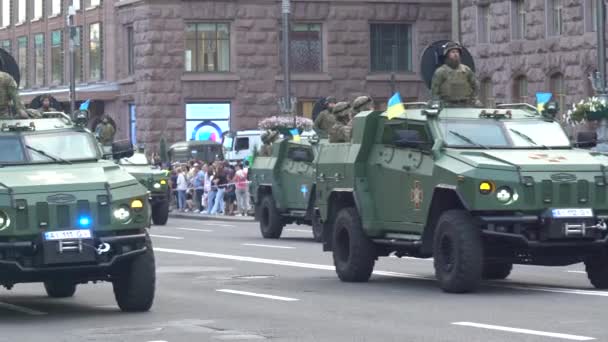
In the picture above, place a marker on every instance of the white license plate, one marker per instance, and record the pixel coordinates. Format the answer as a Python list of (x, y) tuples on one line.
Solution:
[(575, 212), (68, 234)]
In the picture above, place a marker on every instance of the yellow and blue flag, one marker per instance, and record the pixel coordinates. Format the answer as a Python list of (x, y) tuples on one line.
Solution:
[(295, 133), (395, 106), (541, 100)]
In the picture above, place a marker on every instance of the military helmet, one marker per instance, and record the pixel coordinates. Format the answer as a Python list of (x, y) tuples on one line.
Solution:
[(361, 101), (447, 47), (341, 109), (330, 99), (269, 136)]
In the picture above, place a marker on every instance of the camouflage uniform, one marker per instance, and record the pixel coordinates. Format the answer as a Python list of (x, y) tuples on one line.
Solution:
[(454, 85), (361, 104), (324, 123), (105, 132), (9, 97), (341, 130), (267, 139)]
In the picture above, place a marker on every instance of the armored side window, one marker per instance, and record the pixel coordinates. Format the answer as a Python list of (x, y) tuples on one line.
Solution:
[(300, 154), (405, 134)]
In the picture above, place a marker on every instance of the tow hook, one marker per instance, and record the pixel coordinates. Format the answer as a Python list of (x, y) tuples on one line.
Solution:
[(103, 248)]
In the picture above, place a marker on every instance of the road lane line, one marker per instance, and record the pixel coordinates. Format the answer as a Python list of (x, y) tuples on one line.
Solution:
[(261, 295), (268, 246), (382, 273), (196, 230), (218, 225), (577, 272), (298, 230), (21, 309), (167, 237), (525, 331)]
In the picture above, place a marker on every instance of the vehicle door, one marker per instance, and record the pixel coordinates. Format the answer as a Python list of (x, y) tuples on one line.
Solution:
[(297, 174)]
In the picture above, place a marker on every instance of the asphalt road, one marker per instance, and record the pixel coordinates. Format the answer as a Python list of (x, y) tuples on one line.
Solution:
[(221, 281)]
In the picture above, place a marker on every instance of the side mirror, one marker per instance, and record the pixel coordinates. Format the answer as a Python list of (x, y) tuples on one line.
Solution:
[(409, 138), (122, 149), (586, 139), (81, 117)]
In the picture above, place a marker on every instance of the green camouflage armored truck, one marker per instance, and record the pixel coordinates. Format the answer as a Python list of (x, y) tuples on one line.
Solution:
[(69, 217), (282, 187), (155, 180)]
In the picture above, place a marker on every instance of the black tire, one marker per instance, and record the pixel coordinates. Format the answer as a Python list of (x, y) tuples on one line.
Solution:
[(59, 289), (135, 282), (597, 270), (271, 223), (458, 252), (497, 271), (353, 252), (317, 228), (160, 213)]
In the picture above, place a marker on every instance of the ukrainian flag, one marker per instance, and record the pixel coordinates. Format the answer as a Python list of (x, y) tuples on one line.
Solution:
[(395, 106), (541, 100), (295, 133)]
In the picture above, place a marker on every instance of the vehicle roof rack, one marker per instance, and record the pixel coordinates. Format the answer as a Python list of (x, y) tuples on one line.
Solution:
[(419, 104), (522, 105)]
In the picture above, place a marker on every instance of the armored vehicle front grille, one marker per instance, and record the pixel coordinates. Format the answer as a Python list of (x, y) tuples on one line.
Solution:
[(582, 191), (565, 193), (63, 216), (568, 193), (22, 216), (547, 191), (103, 210), (42, 214), (600, 190)]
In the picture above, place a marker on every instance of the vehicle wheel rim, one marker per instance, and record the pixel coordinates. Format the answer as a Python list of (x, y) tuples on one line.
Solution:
[(447, 253), (343, 245)]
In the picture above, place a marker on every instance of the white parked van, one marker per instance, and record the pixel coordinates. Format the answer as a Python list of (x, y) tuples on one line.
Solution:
[(240, 145)]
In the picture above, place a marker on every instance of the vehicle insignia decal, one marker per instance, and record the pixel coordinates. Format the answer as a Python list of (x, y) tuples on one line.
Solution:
[(546, 157), (52, 177), (416, 195), (61, 198), (563, 177), (304, 190)]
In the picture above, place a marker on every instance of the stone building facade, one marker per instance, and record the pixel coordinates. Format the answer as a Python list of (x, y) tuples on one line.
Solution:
[(526, 46), (175, 68)]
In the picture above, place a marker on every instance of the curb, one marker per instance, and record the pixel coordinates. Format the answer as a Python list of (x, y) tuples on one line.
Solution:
[(212, 217)]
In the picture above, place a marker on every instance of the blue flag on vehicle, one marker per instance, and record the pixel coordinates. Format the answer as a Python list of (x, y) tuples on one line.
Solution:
[(295, 133), (541, 100), (85, 105), (394, 106)]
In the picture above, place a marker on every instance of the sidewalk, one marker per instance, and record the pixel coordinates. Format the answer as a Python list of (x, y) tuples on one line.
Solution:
[(198, 216)]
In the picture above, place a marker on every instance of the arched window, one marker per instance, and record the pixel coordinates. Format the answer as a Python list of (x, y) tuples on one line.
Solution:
[(486, 92), (520, 90), (558, 89)]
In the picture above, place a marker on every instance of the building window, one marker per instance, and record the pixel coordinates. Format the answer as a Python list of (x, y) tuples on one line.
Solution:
[(22, 12), (520, 90), (207, 48), (6, 13), (93, 3), (22, 60), (132, 123), (483, 26), (207, 121), (77, 38), (6, 46), (304, 108), (518, 19), (39, 59), (55, 9), (590, 15), (554, 17), (76, 4), (383, 37), (95, 52), (558, 89), (37, 9), (486, 92), (57, 57), (305, 48), (130, 51)]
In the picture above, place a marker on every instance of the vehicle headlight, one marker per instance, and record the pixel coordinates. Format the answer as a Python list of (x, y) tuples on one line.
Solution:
[(5, 221), (122, 214), (137, 204), (156, 185), (163, 182), (486, 187), (504, 194)]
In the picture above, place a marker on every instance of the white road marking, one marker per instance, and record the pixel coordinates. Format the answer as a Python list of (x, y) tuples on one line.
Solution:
[(298, 230), (261, 295), (577, 272), (382, 273), (525, 331), (21, 309), (196, 230), (167, 237), (268, 246), (218, 225)]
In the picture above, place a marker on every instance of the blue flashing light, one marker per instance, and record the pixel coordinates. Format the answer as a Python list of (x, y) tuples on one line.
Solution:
[(84, 221)]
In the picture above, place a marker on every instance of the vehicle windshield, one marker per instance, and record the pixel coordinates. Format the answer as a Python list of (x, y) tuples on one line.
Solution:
[(490, 133), (54, 147), (136, 159)]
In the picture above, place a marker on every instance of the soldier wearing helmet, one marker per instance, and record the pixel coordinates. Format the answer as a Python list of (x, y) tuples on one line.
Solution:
[(9, 97), (46, 104), (361, 104), (341, 130), (325, 120), (268, 138), (453, 82)]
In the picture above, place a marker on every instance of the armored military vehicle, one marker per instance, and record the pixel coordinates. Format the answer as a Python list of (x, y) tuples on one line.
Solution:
[(282, 187), (67, 216), (478, 189), (155, 180)]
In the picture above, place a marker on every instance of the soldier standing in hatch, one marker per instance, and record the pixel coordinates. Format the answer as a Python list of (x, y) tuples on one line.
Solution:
[(453, 82), (267, 139), (9, 97), (341, 130), (46, 105), (325, 121), (361, 104), (105, 134)]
